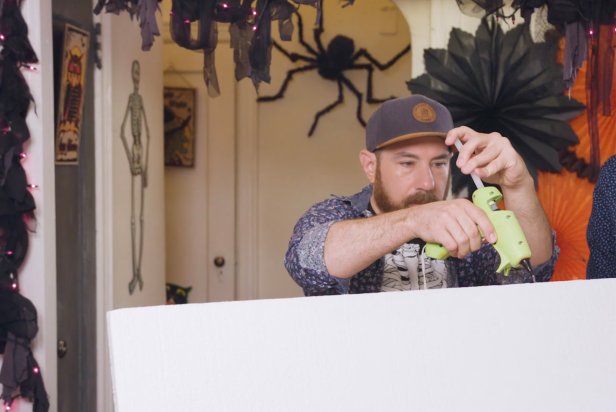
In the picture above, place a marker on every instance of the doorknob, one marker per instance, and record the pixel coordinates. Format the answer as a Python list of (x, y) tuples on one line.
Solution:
[(219, 261), (62, 348)]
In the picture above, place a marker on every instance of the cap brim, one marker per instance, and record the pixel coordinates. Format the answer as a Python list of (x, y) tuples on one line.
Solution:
[(410, 136)]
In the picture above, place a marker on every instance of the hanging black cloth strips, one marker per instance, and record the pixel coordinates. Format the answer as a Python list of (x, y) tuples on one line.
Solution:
[(588, 27), (145, 10), (193, 25), (20, 374)]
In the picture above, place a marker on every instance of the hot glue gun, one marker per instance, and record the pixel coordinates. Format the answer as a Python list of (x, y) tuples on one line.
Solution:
[(511, 243)]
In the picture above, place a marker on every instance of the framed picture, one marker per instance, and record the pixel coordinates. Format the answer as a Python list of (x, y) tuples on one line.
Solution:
[(179, 107), (71, 94)]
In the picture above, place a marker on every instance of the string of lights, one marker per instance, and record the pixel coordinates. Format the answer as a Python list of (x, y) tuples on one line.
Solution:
[(20, 374)]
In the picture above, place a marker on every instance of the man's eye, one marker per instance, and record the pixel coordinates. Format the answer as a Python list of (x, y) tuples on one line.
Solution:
[(407, 164), (441, 164)]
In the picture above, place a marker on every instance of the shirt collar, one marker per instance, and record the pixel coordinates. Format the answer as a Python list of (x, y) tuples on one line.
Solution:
[(361, 201)]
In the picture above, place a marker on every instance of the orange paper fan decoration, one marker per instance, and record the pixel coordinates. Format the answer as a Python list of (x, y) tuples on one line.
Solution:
[(566, 198), (567, 201)]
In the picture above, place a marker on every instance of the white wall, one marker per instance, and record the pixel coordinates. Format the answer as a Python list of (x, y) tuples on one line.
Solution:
[(121, 44), (431, 22)]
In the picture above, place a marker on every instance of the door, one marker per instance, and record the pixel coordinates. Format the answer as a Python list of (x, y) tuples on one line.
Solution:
[(201, 201), (75, 236)]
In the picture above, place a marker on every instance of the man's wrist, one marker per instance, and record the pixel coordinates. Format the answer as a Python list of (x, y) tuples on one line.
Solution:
[(524, 185), (409, 221)]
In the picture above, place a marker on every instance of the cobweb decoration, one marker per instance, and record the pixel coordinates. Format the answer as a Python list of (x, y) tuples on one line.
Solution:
[(506, 83)]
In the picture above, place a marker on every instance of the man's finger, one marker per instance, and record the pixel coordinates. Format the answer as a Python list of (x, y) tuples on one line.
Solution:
[(483, 222), (479, 160), (454, 134)]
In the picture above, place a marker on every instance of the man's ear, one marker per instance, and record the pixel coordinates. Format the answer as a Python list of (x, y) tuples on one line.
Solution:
[(368, 163)]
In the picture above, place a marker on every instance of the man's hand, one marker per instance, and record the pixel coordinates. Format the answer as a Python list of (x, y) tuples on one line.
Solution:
[(489, 156), (493, 159), (455, 224)]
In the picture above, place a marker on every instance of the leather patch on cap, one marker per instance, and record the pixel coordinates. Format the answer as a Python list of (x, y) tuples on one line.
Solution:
[(424, 113)]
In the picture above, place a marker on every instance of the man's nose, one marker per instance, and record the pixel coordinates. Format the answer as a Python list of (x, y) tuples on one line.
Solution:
[(426, 178)]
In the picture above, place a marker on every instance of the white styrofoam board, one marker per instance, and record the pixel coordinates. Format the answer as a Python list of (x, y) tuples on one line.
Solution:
[(542, 347)]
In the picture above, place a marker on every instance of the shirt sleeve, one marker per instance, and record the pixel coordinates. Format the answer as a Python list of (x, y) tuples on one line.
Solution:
[(600, 233), (304, 259), (479, 268)]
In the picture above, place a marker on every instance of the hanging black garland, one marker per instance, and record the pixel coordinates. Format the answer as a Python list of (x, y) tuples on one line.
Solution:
[(20, 374), (193, 26), (503, 82), (576, 19)]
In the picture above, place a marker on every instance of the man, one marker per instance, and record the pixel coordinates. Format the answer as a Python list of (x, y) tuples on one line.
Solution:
[(372, 241), (601, 229)]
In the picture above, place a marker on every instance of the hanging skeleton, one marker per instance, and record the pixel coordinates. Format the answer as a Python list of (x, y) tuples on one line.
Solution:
[(138, 163)]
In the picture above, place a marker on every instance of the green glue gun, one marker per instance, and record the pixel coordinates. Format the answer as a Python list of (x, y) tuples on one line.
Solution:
[(511, 243)]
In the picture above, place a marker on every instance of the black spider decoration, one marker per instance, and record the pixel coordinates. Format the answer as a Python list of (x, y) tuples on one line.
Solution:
[(331, 64)]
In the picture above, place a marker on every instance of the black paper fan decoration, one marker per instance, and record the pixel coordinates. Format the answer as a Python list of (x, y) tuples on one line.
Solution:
[(506, 83)]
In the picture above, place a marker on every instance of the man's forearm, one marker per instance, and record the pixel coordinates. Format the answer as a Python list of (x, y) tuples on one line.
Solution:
[(352, 245), (524, 203)]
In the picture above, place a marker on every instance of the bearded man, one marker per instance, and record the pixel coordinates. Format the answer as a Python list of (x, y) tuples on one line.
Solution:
[(372, 241)]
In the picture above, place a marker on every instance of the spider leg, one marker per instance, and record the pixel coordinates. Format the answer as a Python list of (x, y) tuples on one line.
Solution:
[(357, 94), (317, 39), (327, 109), (318, 31), (285, 83), (300, 32), (292, 56), (369, 97), (381, 66)]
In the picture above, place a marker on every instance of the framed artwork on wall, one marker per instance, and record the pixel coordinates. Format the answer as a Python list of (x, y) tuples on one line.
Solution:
[(179, 115), (71, 94)]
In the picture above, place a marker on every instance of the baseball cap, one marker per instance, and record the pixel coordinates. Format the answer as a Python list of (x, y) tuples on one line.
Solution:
[(406, 118)]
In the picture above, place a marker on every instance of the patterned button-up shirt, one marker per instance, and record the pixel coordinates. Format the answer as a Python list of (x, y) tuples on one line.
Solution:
[(305, 262), (601, 231)]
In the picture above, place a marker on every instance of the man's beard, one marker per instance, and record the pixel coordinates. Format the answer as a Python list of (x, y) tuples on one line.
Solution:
[(386, 204)]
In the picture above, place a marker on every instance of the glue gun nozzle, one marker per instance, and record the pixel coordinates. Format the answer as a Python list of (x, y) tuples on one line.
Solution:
[(527, 266)]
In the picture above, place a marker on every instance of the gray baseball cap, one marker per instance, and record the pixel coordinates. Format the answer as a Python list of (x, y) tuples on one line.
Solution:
[(406, 118)]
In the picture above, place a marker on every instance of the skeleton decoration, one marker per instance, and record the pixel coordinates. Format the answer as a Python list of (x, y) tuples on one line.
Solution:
[(138, 163)]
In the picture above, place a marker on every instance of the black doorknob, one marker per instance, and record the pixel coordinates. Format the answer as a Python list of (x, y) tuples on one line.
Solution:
[(219, 261)]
